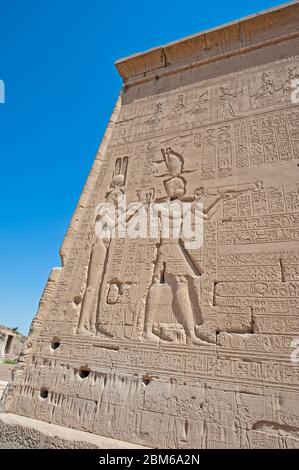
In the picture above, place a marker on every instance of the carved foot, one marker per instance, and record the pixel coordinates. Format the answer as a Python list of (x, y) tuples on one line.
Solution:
[(151, 337), (86, 332), (194, 340), (103, 331)]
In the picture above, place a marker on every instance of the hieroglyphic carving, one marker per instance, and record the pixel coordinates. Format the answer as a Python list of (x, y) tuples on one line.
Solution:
[(202, 105), (162, 343), (228, 97), (215, 146)]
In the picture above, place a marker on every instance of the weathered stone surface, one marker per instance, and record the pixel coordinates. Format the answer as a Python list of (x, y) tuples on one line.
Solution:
[(26, 433), (152, 340)]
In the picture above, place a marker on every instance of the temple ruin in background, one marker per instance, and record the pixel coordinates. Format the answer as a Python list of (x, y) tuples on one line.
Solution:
[(11, 343)]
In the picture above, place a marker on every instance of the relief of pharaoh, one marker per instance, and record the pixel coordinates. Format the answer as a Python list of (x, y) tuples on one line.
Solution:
[(174, 266)]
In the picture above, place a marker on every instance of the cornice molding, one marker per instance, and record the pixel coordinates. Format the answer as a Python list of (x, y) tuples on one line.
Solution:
[(238, 37)]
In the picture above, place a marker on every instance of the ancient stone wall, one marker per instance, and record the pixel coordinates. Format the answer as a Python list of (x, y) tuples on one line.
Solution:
[(154, 341)]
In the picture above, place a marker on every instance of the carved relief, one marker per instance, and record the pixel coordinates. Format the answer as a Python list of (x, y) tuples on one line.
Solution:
[(99, 253), (228, 98), (154, 340)]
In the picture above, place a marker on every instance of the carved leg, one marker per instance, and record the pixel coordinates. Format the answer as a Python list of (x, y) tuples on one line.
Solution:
[(94, 279), (152, 304), (88, 313), (182, 297)]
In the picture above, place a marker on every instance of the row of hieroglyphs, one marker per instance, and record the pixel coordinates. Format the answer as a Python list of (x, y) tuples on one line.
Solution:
[(258, 349), (110, 403), (226, 99), (278, 199), (262, 229), (280, 266), (220, 151)]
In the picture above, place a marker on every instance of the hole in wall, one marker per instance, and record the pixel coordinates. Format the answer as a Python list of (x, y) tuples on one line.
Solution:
[(77, 299), (55, 343), (83, 373), (146, 379), (43, 393)]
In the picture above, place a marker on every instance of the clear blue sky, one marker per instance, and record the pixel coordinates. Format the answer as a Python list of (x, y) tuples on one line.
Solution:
[(56, 59)]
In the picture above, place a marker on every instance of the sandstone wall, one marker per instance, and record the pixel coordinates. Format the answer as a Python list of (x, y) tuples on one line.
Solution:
[(162, 345)]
